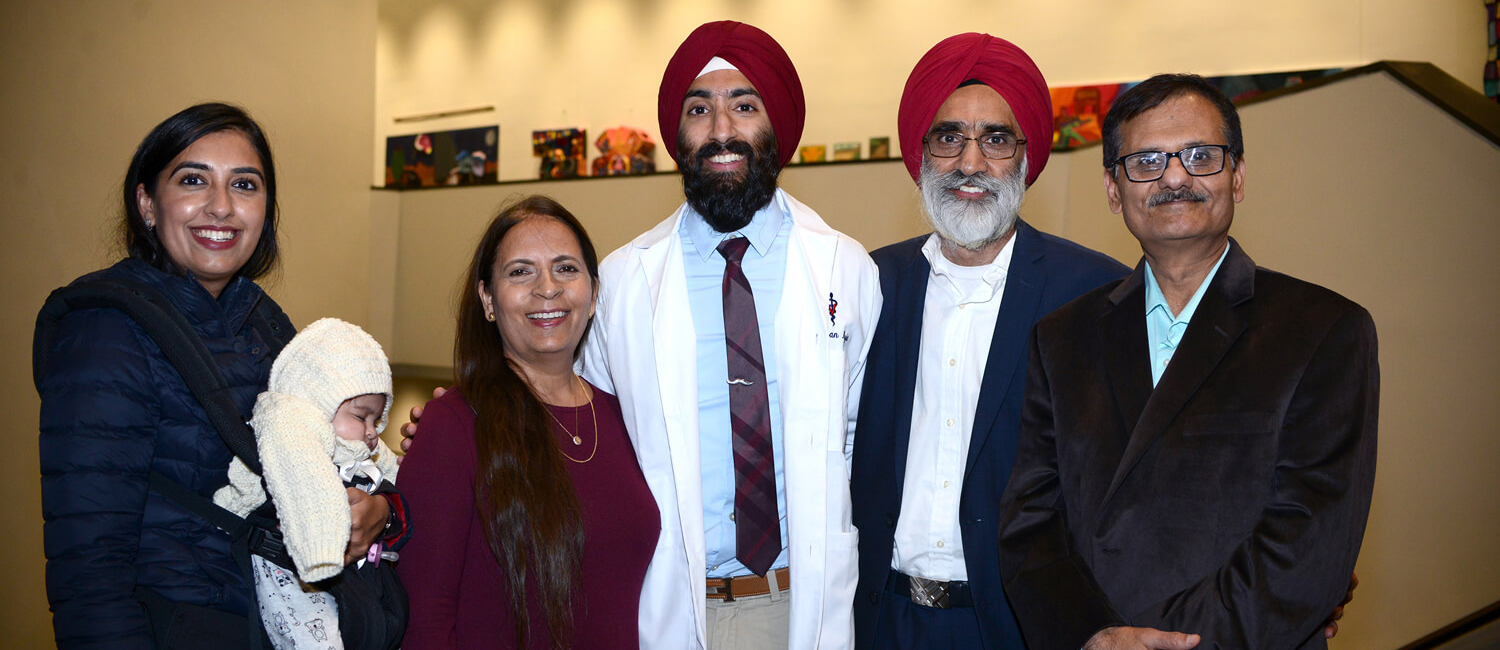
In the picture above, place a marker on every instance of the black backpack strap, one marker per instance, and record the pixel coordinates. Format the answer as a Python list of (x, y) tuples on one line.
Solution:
[(196, 503), (178, 341), (260, 537)]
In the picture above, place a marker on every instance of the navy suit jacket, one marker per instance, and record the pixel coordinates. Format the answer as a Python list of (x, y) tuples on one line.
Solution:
[(1045, 272)]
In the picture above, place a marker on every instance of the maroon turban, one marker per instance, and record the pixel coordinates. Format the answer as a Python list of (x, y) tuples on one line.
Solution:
[(758, 57), (998, 64)]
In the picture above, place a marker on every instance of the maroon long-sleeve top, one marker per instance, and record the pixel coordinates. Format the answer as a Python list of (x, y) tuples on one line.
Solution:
[(459, 597)]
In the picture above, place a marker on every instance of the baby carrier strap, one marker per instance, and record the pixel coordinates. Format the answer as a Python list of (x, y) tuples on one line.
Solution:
[(178, 341), (254, 534), (184, 349)]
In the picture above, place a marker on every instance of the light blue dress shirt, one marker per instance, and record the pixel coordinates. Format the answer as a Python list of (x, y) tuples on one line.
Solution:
[(1164, 330), (765, 266)]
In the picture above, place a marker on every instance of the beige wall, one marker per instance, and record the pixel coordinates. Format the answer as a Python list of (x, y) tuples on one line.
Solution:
[(1360, 185), (83, 82), (597, 64), (438, 229), (1370, 191)]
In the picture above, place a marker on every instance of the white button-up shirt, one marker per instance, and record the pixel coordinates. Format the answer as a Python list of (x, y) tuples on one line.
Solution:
[(958, 322)]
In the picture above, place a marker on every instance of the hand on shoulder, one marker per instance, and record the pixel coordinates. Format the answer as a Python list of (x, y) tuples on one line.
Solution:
[(409, 430)]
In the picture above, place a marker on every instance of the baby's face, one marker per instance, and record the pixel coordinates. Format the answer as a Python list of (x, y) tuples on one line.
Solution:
[(356, 418)]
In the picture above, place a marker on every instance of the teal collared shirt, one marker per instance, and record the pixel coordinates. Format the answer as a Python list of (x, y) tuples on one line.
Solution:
[(1164, 330)]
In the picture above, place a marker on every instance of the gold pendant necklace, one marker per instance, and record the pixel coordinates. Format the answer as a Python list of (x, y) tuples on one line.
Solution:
[(576, 439)]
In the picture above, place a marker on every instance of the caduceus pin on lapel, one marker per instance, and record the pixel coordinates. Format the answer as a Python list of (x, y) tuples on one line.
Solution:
[(833, 317)]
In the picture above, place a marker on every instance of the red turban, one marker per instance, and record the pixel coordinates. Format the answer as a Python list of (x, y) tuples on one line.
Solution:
[(1001, 66), (758, 57)]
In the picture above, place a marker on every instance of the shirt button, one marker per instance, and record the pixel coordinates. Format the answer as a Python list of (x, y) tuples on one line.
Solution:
[(950, 422), (941, 544), (963, 306), (731, 516), (953, 362), (945, 484)]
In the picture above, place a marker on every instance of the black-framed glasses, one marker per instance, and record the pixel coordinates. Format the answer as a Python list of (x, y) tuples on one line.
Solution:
[(995, 146), (1147, 166)]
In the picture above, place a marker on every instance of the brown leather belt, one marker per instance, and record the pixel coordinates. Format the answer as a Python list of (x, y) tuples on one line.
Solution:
[(728, 589)]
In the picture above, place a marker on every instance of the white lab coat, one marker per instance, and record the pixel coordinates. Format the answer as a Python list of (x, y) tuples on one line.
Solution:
[(642, 348)]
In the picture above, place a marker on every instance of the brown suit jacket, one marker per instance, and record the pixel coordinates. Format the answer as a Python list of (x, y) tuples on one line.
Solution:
[(1229, 501)]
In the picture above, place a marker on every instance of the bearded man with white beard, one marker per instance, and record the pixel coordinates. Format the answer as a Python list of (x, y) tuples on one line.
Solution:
[(941, 405)]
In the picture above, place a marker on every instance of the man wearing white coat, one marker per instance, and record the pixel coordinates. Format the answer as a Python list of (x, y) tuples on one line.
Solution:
[(682, 312)]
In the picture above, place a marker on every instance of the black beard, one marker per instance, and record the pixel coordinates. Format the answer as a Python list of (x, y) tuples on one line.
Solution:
[(728, 201)]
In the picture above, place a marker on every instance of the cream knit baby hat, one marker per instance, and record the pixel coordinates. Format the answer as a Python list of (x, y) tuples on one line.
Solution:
[(329, 362)]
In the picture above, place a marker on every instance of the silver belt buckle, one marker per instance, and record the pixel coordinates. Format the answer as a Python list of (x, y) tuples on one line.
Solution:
[(929, 593)]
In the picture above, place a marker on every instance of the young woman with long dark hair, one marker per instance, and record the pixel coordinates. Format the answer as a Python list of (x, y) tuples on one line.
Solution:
[(537, 524), (126, 566)]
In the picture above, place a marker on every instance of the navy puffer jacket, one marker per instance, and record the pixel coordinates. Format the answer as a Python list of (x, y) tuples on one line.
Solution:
[(113, 409)]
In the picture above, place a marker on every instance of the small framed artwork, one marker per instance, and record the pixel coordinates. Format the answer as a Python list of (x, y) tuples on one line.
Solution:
[(814, 153), (437, 158), (562, 152)]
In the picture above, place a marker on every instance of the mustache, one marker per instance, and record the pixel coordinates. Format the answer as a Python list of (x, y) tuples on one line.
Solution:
[(711, 149), (980, 180), (1185, 194)]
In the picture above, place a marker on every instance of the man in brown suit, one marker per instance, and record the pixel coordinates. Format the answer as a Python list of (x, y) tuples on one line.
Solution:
[(1197, 448)]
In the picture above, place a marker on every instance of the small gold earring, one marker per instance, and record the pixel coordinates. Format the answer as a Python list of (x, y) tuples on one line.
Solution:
[(489, 317)]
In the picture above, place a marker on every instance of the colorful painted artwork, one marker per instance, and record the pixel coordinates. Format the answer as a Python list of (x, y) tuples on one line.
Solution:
[(1078, 111), (814, 153), (624, 150), (846, 151), (562, 152), (458, 157), (880, 147), (1078, 114), (1241, 87)]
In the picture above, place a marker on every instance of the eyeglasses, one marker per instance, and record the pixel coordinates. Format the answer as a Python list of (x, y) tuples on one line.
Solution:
[(995, 146), (1147, 166)]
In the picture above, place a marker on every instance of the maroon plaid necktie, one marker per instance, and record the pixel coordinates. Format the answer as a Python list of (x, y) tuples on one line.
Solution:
[(757, 529)]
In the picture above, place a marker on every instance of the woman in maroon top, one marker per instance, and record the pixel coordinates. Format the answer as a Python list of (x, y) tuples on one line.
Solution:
[(536, 524)]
